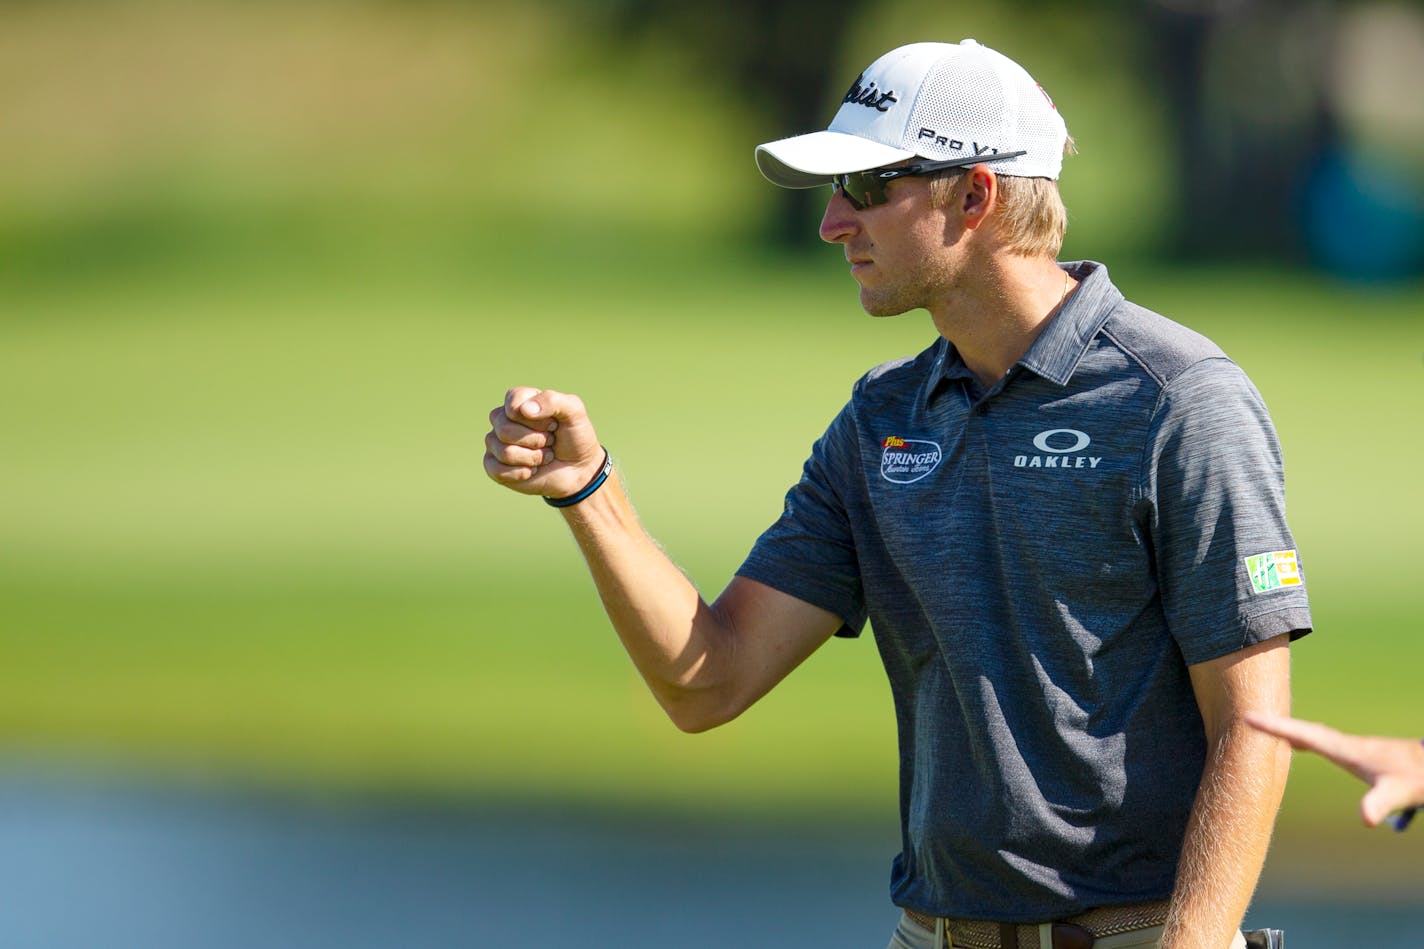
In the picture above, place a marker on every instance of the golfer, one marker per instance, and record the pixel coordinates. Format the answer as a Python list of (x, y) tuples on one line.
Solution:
[(1064, 521)]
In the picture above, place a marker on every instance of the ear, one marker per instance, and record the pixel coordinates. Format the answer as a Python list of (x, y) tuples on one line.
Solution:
[(980, 195)]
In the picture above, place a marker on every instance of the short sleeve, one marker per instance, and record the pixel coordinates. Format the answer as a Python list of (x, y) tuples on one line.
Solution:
[(1227, 567), (809, 552)]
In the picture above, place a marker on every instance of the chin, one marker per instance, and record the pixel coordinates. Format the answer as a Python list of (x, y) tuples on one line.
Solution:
[(879, 306)]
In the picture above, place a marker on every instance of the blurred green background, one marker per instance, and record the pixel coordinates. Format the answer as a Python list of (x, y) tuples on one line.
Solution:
[(265, 267)]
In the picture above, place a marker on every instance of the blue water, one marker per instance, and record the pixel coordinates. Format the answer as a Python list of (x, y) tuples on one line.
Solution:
[(88, 863)]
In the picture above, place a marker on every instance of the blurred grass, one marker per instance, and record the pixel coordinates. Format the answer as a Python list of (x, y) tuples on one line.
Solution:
[(252, 320), (266, 544), (273, 545)]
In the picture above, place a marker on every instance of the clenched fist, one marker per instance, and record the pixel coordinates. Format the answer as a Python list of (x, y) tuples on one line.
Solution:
[(541, 442)]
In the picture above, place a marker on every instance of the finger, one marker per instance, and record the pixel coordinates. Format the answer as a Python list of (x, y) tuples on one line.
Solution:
[(545, 405), (1350, 752), (516, 455), (510, 410), (1382, 800), (526, 479), (517, 433), (506, 474), (548, 410), (1310, 736), (514, 402)]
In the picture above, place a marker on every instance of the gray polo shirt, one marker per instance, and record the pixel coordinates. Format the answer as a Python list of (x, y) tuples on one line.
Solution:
[(1040, 564)]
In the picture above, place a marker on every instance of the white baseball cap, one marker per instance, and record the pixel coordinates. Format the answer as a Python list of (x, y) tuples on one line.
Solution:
[(939, 101)]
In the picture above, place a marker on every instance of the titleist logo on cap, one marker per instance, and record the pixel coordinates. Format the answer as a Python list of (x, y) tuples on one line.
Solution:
[(870, 96)]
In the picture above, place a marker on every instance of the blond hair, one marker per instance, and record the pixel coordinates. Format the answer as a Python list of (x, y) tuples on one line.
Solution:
[(1030, 211)]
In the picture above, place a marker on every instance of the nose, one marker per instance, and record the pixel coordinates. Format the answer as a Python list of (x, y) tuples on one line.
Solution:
[(839, 222)]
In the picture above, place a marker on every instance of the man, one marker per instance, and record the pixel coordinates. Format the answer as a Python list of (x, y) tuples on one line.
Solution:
[(1064, 521)]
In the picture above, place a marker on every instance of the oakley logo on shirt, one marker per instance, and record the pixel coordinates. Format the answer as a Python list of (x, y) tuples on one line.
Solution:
[(1060, 448)]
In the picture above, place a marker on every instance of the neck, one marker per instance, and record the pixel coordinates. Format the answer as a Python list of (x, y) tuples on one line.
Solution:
[(994, 322)]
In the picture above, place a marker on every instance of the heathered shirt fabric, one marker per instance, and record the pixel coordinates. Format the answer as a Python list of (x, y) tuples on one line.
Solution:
[(1040, 564)]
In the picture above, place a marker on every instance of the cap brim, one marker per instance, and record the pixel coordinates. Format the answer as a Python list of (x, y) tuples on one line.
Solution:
[(808, 161)]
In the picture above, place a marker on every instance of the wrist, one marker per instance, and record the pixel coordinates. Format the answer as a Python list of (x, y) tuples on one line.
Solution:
[(588, 489)]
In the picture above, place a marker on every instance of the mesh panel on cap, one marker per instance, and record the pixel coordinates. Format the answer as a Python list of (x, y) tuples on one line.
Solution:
[(975, 100), (1040, 125), (963, 102)]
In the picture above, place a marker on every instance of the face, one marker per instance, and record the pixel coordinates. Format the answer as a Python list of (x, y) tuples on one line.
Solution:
[(903, 253)]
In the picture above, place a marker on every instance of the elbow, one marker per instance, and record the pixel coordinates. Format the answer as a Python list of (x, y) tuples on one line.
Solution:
[(703, 694), (696, 713), (690, 725)]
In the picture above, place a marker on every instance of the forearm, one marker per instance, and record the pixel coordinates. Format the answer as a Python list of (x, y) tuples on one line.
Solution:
[(703, 663), (1227, 837), (673, 637)]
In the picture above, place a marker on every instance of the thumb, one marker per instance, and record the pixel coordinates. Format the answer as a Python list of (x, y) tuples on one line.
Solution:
[(549, 410), (537, 408), (532, 405), (1382, 800)]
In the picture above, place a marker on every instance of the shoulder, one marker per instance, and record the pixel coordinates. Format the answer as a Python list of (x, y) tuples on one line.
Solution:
[(899, 378), (889, 371), (1164, 349)]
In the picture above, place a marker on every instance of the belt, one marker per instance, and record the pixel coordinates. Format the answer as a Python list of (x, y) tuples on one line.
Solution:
[(1075, 932)]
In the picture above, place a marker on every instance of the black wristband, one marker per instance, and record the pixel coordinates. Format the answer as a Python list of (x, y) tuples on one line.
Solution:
[(587, 489)]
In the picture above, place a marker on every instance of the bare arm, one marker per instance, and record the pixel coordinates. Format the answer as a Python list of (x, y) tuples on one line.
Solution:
[(1392, 767), (704, 663), (1240, 793)]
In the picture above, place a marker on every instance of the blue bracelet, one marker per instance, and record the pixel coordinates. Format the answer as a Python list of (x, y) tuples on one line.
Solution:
[(588, 489)]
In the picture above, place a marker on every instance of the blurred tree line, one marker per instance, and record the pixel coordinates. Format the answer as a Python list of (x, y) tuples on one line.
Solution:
[(1262, 170)]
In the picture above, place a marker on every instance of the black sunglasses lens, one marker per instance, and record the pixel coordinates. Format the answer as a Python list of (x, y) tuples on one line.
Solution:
[(840, 185), (862, 189)]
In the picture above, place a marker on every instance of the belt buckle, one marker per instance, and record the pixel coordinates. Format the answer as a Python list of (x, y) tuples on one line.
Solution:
[(1061, 936), (1070, 936)]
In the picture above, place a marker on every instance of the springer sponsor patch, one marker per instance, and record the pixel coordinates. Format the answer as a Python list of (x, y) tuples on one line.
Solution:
[(906, 460), (1274, 570)]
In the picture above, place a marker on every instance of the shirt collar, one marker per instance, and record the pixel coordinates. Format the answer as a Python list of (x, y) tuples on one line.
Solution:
[(1058, 349)]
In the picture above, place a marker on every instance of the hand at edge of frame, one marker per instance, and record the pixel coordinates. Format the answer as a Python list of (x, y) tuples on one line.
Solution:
[(1392, 767)]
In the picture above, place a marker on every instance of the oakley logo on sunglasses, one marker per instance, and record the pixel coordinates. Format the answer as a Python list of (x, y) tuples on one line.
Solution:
[(869, 96)]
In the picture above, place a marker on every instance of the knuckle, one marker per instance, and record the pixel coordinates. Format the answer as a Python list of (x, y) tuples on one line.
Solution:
[(567, 402), (492, 444), (506, 474), (512, 433), (493, 469), (516, 455), (517, 396)]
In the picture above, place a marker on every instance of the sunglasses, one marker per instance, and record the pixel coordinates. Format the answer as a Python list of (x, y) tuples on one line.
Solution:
[(865, 189)]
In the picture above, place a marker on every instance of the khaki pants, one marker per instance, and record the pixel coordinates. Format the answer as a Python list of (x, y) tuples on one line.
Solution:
[(911, 935)]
